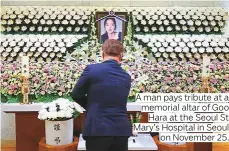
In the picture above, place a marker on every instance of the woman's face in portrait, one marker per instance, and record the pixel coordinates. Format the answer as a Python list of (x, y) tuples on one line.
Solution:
[(110, 26)]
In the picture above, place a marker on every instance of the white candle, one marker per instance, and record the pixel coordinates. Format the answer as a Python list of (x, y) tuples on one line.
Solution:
[(25, 66), (206, 64)]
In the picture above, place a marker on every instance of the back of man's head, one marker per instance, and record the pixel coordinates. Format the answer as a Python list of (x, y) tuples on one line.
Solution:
[(112, 48)]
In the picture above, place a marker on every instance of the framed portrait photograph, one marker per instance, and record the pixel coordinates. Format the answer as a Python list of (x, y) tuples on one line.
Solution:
[(111, 25)]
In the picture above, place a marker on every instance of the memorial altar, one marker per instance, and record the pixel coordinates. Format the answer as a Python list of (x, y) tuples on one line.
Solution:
[(44, 50)]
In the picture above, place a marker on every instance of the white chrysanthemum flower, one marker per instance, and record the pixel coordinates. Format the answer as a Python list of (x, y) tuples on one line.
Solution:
[(146, 29), (44, 54), (42, 22), (174, 22), (190, 44), (49, 49), (84, 17), (158, 44), (154, 49), (57, 22), (10, 22), (202, 17), (147, 17), (184, 28), (137, 29), (165, 44), (5, 16), (210, 18), (65, 22), (61, 44), (169, 49), (178, 49), (221, 43), (159, 22), (201, 50), (173, 44), (139, 17), (143, 22), (60, 17), (225, 49), (16, 28), (170, 17), (197, 44), (49, 22), (218, 18), (80, 22), (54, 28), (25, 49), (32, 28), (153, 28), (68, 17), (207, 29), (217, 49), (177, 39), (135, 13), (53, 16), (178, 28), (72, 22), (36, 54), (155, 17), (187, 17), (161, 28), (221, 24), (76, 17), (33, 49), (178, 16), (213, 23), (174, 12), (16, 49), (190, 22), (151, 22), (188, 55), (216, 29), (38, 16), (165, 55), (69, 28), (194, 50), (185, 49), (166, 22), (60, 29), (158, 54), (173, 55), (9, 49), (182, 44), (46, 16), (162, 17)]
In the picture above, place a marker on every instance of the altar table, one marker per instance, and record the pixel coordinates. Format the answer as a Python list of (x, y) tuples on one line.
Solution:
[(143, 142), (30, 130)]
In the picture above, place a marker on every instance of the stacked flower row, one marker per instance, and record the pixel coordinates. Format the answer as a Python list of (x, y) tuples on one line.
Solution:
[(38, 47), (186, 46), (57, 19), (59, 78), (187, 20)]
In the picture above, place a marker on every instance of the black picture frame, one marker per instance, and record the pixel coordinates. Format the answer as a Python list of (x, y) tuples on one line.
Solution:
[(120, 16)]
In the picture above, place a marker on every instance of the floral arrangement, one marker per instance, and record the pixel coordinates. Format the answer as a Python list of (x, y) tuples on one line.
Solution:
[(38, 47), (49, 81), (185, 47), (179, 19), (45, 19), (59, 110)]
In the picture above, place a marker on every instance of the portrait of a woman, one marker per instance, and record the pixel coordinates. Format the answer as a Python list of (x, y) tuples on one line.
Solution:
[(110, 27)]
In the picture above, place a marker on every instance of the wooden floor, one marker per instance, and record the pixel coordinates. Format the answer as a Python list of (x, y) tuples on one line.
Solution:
[(10, 146)]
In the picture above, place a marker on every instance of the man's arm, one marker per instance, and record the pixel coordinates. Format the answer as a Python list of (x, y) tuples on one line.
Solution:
[(80, 90)]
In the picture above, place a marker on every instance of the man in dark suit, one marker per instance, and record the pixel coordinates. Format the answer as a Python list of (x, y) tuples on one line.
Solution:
[(103, 90)]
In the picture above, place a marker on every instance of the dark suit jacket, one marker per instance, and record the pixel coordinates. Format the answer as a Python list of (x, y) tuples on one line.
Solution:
[(103, 90)]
